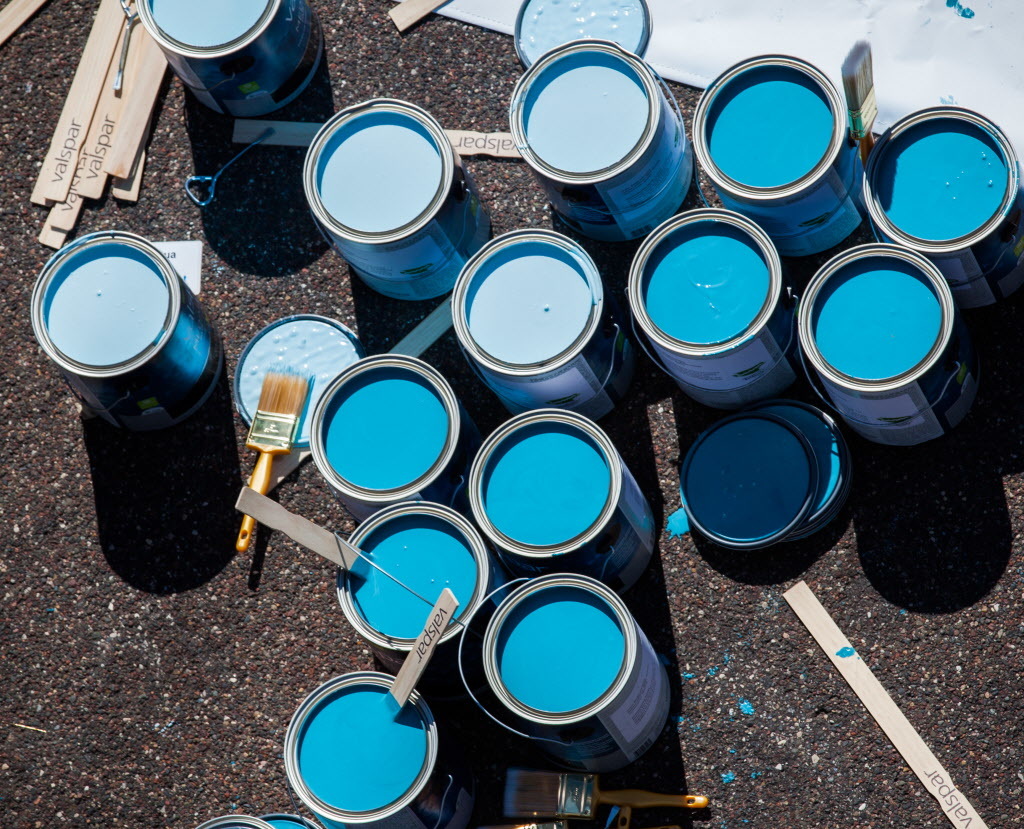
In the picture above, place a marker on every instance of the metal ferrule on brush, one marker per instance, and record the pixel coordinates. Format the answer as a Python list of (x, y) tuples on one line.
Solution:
[(273, 430), (576, 796), (862, 119)]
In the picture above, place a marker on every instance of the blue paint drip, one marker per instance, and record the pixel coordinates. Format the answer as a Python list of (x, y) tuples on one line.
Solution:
[(689, 676), (746, 707), (845, 653), (713, 670), (678, 523), (728, 777), (755, 774), (963, 11)]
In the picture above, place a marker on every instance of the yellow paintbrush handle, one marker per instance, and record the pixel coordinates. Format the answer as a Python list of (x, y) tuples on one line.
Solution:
[(260, 481), (639, 799)]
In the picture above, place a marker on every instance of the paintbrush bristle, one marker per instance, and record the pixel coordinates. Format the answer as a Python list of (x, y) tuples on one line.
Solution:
[(859, 86), (530, 793), (282, 399)]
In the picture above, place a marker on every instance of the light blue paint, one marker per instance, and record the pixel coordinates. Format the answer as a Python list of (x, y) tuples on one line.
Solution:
[(747, 480), (585, 112), (678, 523), (845, 653), (550, 23), (106, 304), (962, 11), (529, 302), (823, 443), (876, 318), (424, 552), (312, 348), (728, 777), (545, 484), (705, 282), (746, 707), (204, 24), (378, 172), (355, 755), (769, 126), (560, 649), (385, 428), (941, 179)]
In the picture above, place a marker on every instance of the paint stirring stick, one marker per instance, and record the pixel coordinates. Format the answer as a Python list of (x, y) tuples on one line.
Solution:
[(14, 16), (410, 12), (416, 662)]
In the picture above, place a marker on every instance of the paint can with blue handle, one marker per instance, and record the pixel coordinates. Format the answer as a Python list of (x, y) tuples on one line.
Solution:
[(130, 338), (550, 491), (945, 182), (542, 25), (597, 711), (390, 192), (604, 137), (880, 330), (706, 289), (243, 61), (390, 429), (354, 758), (530, 312), (772, 133), (280, 820)]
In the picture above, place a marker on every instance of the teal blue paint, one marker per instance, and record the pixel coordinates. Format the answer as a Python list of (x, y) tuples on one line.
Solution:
[(941, 179), (529, 302), (534, 645), (424, 552), (545, 484), (355, 755), (747, 480), (106, 304), (385, 428), (713, 670), (823, 443), (728, 777), (705, 282), (378, 172), (755, 774), (845, 653), (585, 112), (204, 24), (689, 676), (285, 822), (962, 11), (678, 523), (546, 24), (769, 126), (746, 707), (876, 318)]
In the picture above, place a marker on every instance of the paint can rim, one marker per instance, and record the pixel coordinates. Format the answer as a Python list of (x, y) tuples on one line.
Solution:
[(235, 822), (165, 41), (286, 816)]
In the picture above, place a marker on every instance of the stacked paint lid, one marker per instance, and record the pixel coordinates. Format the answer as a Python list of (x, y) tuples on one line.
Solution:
[(280, 820), (946, 183), (541, 25), (776, 472)]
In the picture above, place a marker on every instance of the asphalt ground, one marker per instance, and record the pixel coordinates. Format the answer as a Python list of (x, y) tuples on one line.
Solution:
[(150, 671)]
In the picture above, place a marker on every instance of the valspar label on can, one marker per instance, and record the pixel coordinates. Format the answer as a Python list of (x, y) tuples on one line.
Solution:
[(551, 492), (390, 192), (242, 59), (946, 183), (706, 290), (879, 328), (531, 315), (598, 128), (354, 758), (130, 339), (566, 659), (772, 133)]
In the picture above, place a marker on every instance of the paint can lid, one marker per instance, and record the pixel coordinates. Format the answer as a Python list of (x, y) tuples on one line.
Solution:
[(283, 821), (235, 822), (544, 24)]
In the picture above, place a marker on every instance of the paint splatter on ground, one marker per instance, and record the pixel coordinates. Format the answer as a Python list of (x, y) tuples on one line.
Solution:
[(678, 524), (963, 11), (846, 653), (728, 777), (746, 707)]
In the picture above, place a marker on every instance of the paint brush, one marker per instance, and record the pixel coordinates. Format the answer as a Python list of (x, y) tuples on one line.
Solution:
[(532, 793), (859, 85), (282, 399)]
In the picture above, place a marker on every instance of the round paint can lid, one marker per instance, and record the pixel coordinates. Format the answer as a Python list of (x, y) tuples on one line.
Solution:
[(749, 481), (544, 24), (283, 821)]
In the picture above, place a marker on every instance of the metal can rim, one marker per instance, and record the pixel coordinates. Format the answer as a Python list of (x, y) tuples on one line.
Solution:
[(287, 816), (235, 822), (165, 41)]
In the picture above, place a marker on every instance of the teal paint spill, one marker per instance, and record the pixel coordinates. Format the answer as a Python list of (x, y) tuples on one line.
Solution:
[(728, 777), (755, 774), (689, 676), (746, 707), (678, 523), (713, 670), (963, 11), (845, 653)]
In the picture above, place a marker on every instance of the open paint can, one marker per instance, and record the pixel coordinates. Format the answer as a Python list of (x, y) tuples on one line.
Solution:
[(882, 333), (772, 133), (129, 337), (354, 758), (283, 821), (387, 188), (706, 290), (316, 347), (604, 138), (531, 315), (244, 58), (236, 822), (390, 429), (550, 491), (946, 183), (420, 548), (541, 25), (597, 709)]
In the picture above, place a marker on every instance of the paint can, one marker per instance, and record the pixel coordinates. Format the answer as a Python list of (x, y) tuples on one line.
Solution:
[(604, 137), (946, 182), (530, 312), (541, 25), (706, 289), (420, 548), (243, 59), (129, 337), (315, 346), (552, 494), (390, 429), (285, 821), (389, 191), (235, 822), (596, 711), (882, 333), (354, 758), (772, 133)]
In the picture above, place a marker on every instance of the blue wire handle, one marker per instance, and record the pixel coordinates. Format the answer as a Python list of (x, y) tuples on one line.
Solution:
[(211, 181)]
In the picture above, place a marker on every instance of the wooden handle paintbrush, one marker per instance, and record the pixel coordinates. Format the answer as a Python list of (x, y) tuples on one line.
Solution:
[(859, 86), (282, 399)]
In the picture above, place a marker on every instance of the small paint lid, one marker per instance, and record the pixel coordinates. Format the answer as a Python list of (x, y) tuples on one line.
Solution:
[(200, 24), (544, 24)]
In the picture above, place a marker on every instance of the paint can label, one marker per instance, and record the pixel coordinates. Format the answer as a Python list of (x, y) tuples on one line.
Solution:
[(1014, 279), (963, 273), (632, 550), (901, 417), (574, 386), (636, 721)]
